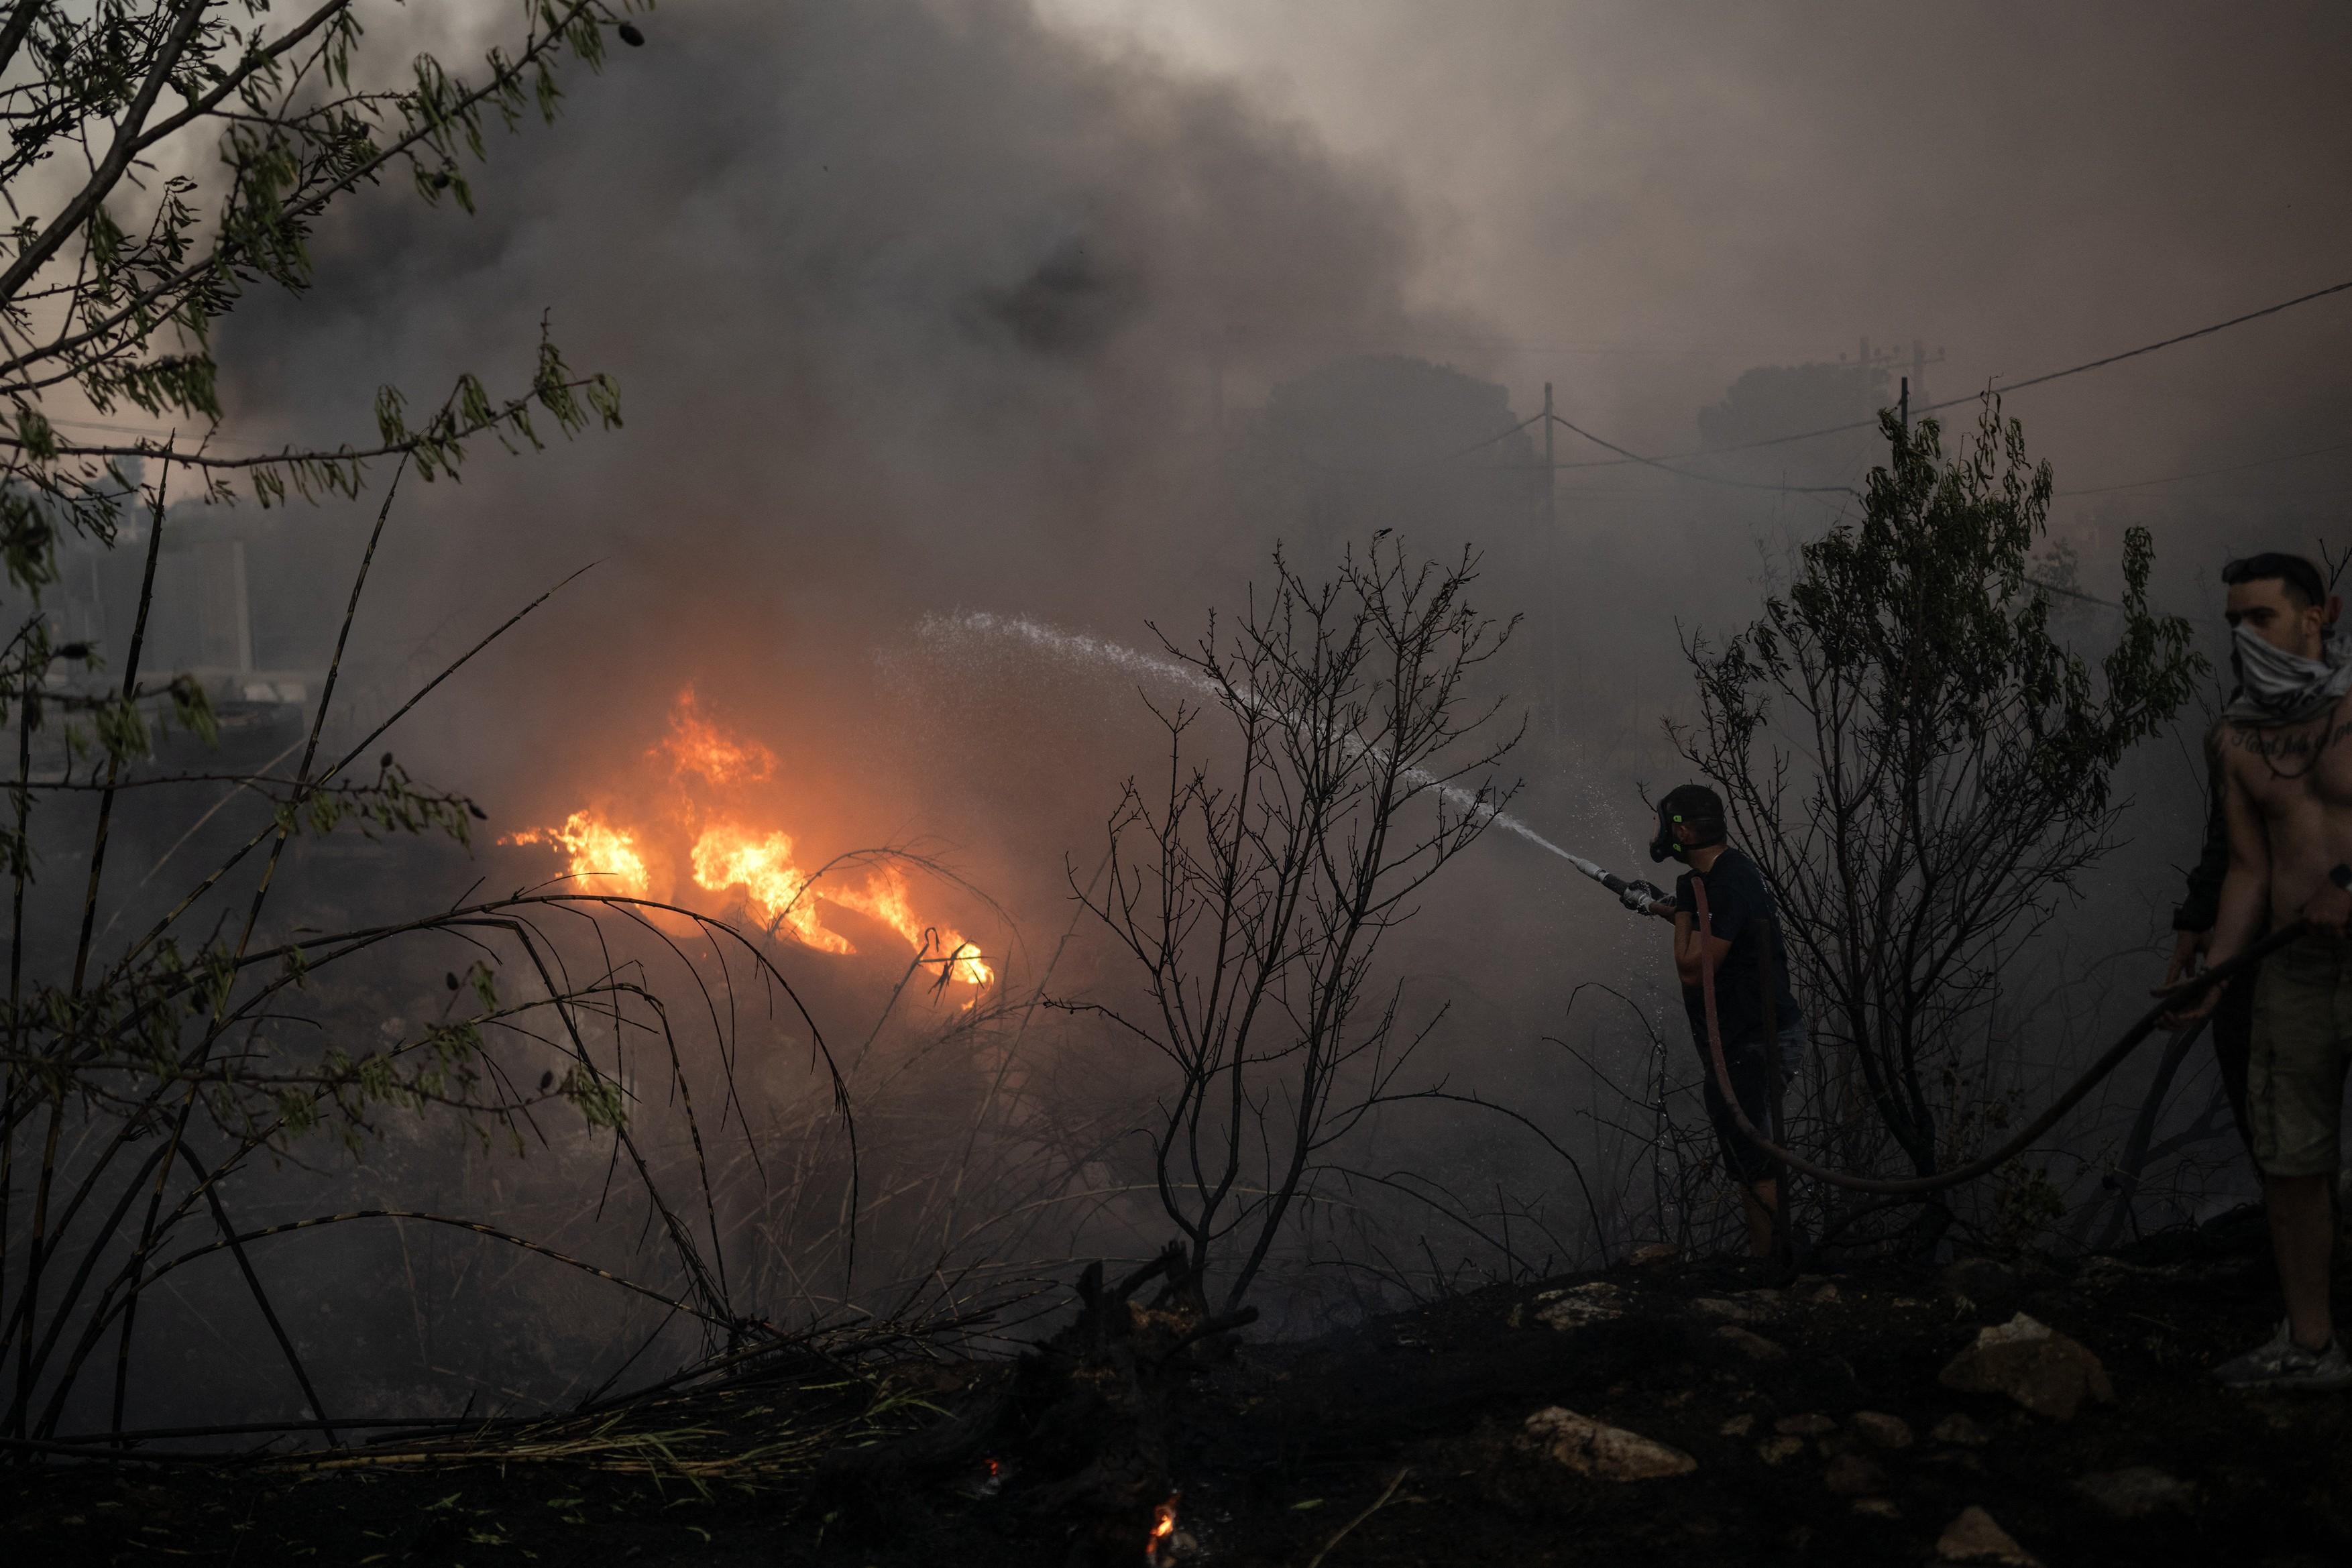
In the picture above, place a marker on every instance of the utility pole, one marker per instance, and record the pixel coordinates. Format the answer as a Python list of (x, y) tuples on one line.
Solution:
[(1869, 360), (1907, 407)]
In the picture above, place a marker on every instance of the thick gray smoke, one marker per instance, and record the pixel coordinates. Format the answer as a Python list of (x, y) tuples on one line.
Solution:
[(911, 306), (964, 342), (919, 307), (1645, 201), (922, 308)]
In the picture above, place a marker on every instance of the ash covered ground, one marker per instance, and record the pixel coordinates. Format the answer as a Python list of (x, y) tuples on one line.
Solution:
[(1811, 1421)]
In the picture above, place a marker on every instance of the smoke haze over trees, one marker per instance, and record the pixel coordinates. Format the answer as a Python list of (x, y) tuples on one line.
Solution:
[(1071, 310), (928, 305)]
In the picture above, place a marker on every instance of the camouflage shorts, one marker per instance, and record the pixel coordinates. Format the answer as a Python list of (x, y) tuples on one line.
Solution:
[(2303, 1040)]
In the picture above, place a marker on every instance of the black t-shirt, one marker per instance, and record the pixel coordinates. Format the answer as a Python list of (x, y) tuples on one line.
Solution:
[(1740, 908)]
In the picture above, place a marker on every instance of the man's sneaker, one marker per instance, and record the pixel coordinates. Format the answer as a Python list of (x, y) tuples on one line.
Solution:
[(2279, 1363)]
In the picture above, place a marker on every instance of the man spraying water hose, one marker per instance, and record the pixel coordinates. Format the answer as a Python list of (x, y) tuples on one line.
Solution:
[(1763, 1031), (2286, 777)]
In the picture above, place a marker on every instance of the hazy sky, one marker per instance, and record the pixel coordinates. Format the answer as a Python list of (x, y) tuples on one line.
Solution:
[(916, 306), (1644, 198)]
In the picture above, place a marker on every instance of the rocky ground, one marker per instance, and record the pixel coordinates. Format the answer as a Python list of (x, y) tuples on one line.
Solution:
[(1670, 1413)]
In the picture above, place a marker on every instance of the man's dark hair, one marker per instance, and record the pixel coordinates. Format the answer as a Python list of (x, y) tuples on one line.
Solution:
[(2298, 576)]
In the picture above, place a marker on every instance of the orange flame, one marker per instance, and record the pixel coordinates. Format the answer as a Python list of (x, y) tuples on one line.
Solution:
[(727, 856), (884, 898), (1163, 1525), (696, 745), (598, 850), (729, 853)]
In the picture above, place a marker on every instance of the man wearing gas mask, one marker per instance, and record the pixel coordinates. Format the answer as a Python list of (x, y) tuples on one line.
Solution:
[(2284, 752), (1763, 1031)]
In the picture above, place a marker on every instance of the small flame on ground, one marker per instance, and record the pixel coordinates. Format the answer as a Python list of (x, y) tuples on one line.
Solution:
[(1163, 1525)]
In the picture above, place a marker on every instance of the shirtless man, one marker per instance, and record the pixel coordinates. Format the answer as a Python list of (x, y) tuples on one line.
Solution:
[(2285, 748)]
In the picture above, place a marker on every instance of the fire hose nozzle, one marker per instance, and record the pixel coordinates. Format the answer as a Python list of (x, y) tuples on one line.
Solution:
[(1636, 896), (1639, 896)]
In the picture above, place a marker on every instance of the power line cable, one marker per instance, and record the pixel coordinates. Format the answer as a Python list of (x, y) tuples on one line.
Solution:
[(2013, 386), (1705, 478), (1412, 465), (1479, 445)]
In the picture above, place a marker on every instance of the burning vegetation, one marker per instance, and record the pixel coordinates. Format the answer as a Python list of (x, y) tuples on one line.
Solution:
[(704, 836)]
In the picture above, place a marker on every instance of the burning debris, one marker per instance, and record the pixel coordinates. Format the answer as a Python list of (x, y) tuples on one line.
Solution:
[(708, 829), (1086, 1433), (1167, 1543)]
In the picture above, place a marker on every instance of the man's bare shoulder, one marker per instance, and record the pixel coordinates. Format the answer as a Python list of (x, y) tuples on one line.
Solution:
[(2261, 758), (2230, 744)]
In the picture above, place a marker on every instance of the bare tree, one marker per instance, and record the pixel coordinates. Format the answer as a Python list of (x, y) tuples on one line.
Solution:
[(1336, 761)]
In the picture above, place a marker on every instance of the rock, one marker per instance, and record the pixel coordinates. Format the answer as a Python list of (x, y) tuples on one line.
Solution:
[(1811, 1424), (1851, 1475), (1573, 1309), (1973, 1537), (1963, 1430), (2033, 1364), (1819, 1293), (1879, 1507), (1754, 1346), (1737, 1427), (1775, 1450), (1746, 1306), (2136, 1491), (1590, 1448), (1650, 1254), (1878, 1431)]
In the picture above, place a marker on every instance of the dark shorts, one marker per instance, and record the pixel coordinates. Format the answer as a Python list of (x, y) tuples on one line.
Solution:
[(1759, 1069)]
